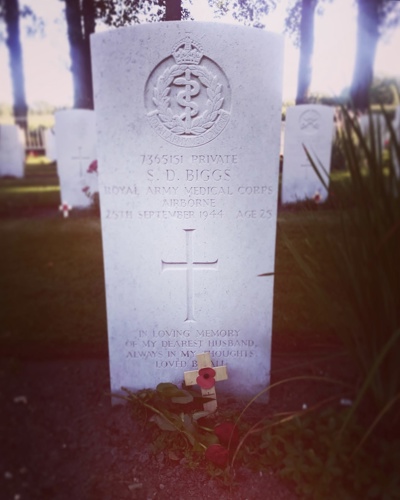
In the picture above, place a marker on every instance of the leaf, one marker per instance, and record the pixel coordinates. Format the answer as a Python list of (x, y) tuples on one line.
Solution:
[(200, 414), (183, 399), (172, 392), (166, 388), (198, 130), (196, 121), (218, 104), (163, 117), (163, 423), (189, 428), (178, 130), (209, 439)]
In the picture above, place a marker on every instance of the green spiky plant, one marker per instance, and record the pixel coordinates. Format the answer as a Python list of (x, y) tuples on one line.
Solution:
[(331, 451), (364, 249)]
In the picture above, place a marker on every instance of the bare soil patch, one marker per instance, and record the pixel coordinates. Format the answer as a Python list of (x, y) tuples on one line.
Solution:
[(62, 440)]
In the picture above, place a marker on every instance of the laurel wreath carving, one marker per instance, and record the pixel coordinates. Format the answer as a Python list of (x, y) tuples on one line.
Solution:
[(161, 99)]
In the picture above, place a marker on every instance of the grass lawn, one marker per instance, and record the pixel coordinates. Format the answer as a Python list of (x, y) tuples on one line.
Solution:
[(52, 280)]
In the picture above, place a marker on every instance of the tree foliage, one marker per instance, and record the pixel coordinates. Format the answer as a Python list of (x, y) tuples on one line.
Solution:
[(294, 15), (80, 17), (299, 24), (9, 11), (119, 13), (375, 18), (248, 12)]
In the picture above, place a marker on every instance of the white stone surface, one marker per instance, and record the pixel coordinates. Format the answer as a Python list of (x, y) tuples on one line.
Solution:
[(12, 153), (188, 172), (311, 126), (50, 144), (283, 123), (379, 131), (76, 150)]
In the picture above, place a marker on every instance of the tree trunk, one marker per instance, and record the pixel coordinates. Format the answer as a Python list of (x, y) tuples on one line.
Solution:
[(306, 50), (173, 10), (80, 50), (20, 107), (89, 24), (367, 41)]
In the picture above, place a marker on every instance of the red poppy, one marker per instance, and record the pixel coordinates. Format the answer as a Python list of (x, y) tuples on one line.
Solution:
[(228, 434), (317, 197), (206, 378), (217, 454), (92, 167)]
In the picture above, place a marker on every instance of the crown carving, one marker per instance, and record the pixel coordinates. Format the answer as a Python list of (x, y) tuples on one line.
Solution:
[(187, 51)]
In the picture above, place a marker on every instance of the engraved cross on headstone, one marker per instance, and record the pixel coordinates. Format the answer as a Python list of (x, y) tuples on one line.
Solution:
[(80, 157), (189, 266)]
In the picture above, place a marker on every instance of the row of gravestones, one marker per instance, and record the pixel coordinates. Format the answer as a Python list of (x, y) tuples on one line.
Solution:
[(72, 145), (310, 126), (188, 119)]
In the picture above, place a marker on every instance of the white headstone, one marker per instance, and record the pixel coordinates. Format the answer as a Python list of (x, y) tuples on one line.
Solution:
[(310, 126), (12, 153), (76, 150), (378, 128), (188, 121), (50, 144)]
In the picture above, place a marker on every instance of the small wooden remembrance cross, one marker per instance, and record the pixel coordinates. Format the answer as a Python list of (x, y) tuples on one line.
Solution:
[(65, 208), (196, 376)]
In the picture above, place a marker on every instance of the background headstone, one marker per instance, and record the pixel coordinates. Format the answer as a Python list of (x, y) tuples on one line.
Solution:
[(380, 130), (76, 150), (12, 152), (311, 125), (50, 144), (188, 130)]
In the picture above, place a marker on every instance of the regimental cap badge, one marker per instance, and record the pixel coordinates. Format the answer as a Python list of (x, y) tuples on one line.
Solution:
[(187, 102), (187, 51)]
